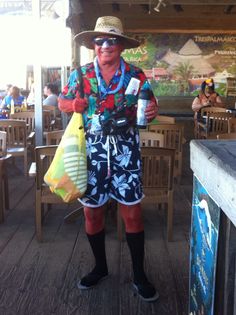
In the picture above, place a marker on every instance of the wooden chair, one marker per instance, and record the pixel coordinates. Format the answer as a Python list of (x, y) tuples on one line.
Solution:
[(54, 137), (4, 157), (232, 125), (200, 125), (230, 136), (216, 123), (48, 121), (43, 195), (16, 139), (3, 143), (29, 118), (173, 139), (55, 115), (4, 193), (43, 158), (151, 139), (158, 170)]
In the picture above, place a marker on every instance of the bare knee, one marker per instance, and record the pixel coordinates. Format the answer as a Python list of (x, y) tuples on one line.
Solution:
[(94, 220), (132, 216)]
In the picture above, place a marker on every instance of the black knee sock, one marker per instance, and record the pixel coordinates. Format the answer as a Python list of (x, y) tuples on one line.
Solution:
[(136, 245), (97, 243)]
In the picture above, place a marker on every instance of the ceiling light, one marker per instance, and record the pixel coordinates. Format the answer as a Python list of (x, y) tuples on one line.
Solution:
[(157, 7)]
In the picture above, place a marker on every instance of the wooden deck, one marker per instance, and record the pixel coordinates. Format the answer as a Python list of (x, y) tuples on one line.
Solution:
[(41, 278)]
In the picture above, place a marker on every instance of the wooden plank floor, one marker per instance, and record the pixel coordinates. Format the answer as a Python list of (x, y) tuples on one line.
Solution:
[(40, 278)]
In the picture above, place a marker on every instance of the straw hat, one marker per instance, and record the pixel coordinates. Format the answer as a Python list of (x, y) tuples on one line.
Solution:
[(106, 25)]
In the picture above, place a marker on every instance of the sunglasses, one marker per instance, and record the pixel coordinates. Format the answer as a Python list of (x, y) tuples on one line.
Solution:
[(111, 41)]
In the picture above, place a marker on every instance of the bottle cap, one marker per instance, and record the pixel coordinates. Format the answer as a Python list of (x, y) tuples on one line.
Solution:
[(145, 94)]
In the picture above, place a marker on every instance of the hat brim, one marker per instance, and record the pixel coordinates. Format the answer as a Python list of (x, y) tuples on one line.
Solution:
[(86, 39)]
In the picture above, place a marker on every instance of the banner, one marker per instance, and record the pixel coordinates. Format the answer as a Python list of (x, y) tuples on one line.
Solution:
[(203, 251), (177, 64)]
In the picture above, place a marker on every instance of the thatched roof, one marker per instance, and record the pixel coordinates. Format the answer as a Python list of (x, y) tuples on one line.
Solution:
[(190, 48), (189, 53), (200, 65)]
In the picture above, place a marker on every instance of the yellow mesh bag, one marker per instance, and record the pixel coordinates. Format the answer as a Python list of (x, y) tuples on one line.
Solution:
[(67, 174)]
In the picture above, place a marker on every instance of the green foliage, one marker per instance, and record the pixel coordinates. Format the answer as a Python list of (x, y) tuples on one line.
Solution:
[(221, 89), (163, 88), (184, 70)]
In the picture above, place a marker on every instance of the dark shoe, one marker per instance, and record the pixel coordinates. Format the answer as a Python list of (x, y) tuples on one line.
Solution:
[(146, 291), (91, 280)]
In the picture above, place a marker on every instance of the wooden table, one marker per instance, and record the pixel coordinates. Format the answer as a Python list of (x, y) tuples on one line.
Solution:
[(4, 196)]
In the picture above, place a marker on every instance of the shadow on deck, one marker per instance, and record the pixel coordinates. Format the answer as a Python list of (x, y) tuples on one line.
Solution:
[(41, 278)]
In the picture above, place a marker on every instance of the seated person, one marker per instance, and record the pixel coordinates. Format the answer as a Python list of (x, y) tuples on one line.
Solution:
[(206, 98), (51, 93), (14, 94)]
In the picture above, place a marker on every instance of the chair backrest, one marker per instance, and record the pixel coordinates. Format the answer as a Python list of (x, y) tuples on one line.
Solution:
[(16, 132), (231, 135), (29, 117), (158, 167), (232, 125), (48, 120), (53, 110), (16, 139), (55, 116), (173, 135), (54, 137), (3, 143), (43, 158), (217, 123), (206, 110), (173, 139), (151, 139)]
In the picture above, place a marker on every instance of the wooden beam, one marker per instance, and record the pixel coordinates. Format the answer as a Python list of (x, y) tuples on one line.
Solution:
[(180, 30)]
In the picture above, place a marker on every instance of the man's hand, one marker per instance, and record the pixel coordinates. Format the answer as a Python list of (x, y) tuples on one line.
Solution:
[(151, 111), (79, 104)]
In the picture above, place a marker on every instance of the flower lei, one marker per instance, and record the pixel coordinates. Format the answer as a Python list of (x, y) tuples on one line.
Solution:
[(103, 90)]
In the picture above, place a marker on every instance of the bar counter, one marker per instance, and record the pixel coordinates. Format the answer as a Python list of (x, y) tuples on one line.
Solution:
[(213, 267)]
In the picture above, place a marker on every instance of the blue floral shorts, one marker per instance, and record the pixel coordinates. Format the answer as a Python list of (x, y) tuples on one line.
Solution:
[(114, 169)]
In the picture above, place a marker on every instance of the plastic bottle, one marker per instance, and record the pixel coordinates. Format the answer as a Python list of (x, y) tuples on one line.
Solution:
[(24, 105), (12, 106), (143, 100)]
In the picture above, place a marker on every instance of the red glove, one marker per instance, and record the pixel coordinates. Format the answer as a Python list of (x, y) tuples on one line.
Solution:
[(79, 104), (65, 105)]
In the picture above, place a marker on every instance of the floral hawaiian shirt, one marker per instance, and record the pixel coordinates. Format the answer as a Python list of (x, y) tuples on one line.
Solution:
[(107, 105)]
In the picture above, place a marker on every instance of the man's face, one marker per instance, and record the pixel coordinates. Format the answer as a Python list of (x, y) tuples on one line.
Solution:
[(45, 91), (108, 49)]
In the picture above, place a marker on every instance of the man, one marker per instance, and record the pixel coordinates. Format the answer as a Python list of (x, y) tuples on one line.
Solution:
[(51, 93), (111, 90)]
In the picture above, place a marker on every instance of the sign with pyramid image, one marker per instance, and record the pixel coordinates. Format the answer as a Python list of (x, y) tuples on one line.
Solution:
[(177, 64)]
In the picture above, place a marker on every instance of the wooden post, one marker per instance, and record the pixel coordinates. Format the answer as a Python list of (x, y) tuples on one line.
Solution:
[(37, 77)]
